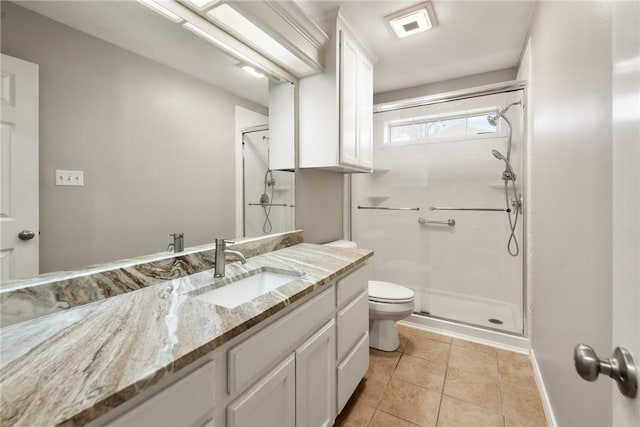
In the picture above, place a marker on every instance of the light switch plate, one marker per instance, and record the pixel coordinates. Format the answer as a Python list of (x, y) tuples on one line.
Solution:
[(69, 178)]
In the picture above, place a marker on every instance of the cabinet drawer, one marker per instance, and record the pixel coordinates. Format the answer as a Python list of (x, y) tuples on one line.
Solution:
[(353, 321), (352, 284), (253, 357), (184, 403), (352, 370)]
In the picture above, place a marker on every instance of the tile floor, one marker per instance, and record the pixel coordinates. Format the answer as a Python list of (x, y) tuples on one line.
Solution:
[(434, 380)]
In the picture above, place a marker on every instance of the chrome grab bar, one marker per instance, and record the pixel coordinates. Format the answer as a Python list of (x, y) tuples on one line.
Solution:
[(450, 222), (388, 209), (433, 208), (270, 204)]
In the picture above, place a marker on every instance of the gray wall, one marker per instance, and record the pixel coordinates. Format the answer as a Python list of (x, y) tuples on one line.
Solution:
[(319, 204), (447, 85), (156, 147), (570, 204)]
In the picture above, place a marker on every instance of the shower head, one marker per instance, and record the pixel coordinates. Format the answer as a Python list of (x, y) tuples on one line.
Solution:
[(508, 174), (498, 155), (493, 120)]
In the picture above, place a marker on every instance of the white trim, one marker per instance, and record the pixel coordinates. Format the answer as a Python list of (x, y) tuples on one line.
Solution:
[(542, 391), (496, 339), (489, 89)]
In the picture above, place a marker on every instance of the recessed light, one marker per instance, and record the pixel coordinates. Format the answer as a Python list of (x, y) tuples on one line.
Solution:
[(255, 73), (413, 20)]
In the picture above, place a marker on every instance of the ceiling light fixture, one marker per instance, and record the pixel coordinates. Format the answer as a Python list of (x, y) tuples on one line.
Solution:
[(249, 69), (231, 19), (413, 20), (161, 10)]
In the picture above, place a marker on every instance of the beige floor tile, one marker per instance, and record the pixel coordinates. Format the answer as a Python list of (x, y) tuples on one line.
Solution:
[(421, 372), (404, 338), (371, 388), (429, 349), (457, 413), (421, 333), (473, 346), (480, 362), (477, 389), (411, 403), (383, 363), (515, 368), (355, 414), (382, 419), (510, 422), (522, 406)]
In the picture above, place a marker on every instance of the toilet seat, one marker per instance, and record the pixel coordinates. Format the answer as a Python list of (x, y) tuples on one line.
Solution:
[(389, 293)]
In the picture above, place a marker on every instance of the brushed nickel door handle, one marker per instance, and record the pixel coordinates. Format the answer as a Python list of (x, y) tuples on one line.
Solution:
[(620, 367), (26, 235)]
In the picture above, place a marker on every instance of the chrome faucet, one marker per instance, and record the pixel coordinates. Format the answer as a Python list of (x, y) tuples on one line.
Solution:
[(221, 254), (178, 243)]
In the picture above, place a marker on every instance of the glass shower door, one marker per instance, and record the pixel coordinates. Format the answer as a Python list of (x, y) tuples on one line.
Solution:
[(441, 156), (268, 195)]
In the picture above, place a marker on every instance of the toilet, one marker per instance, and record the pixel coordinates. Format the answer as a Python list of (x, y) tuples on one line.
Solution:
[(388, 303)]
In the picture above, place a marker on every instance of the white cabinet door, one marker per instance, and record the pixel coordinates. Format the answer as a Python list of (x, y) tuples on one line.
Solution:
[(315, 379), (365, 112), (282, 126), (348, 100), (271, 402)]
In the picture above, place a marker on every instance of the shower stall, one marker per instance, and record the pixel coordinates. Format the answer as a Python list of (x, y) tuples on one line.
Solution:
[(268, 196), (442, 208)]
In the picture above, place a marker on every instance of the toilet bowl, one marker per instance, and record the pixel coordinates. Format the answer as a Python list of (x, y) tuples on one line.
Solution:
[(388, 303)]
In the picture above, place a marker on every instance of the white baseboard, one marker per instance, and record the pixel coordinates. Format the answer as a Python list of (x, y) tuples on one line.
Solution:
[(542, 390)]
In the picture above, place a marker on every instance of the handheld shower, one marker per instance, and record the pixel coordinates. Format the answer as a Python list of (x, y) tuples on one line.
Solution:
[(508, 175)]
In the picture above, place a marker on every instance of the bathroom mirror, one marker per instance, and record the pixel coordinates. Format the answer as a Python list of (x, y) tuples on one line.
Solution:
[(149, 118)]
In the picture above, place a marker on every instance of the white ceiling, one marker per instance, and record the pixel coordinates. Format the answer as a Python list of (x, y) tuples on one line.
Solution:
[(136, 28), (471, 37)]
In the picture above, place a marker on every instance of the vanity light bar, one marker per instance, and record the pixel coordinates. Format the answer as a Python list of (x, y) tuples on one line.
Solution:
[(255, 73), (229, 18), (161, 10), (184, 13)]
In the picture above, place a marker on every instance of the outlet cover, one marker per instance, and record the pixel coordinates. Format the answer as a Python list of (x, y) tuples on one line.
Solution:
[(69, 178)]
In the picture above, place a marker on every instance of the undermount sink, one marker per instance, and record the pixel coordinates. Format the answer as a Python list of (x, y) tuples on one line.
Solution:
[(259, 282)]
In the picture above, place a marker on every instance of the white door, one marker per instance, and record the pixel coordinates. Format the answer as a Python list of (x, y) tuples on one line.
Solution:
[(19, 169), (626, 196)]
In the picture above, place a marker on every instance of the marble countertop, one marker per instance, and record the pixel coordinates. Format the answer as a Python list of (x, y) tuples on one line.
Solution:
[(72, 366)]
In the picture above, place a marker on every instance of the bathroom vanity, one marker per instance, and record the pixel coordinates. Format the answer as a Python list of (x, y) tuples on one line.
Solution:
[(161, 355)]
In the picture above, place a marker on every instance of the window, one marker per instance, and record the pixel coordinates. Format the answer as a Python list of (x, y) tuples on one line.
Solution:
[(421, 129)]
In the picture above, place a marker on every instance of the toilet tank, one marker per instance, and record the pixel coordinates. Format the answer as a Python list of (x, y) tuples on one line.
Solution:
[(348, 244)]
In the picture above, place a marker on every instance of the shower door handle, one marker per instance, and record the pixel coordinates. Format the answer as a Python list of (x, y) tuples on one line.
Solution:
[(620, 367)]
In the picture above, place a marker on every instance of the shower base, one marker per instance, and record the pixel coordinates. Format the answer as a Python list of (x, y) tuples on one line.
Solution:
[(481, 312)]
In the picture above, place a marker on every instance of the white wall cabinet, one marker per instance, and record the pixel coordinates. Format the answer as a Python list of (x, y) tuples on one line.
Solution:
[(282, 128), (336, 107)]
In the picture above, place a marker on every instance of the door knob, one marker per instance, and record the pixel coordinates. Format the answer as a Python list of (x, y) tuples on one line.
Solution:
[(620, 367), (26, 235)]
